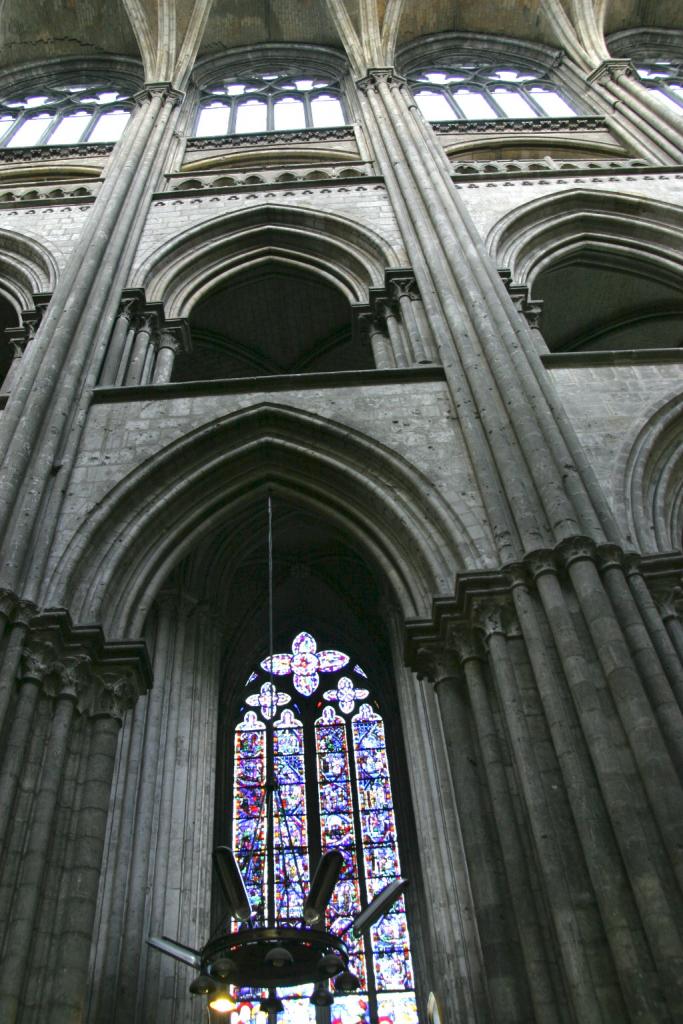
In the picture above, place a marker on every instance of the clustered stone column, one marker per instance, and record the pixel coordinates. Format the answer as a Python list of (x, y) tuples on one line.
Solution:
[(143, 343), (642, 113), (158, 858), (394, 321), (575, 850), (61, 727)]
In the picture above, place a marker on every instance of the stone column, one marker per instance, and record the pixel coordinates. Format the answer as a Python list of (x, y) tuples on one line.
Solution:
[(404, 292), (381, 346), (145, 329), (167, 349), (114, 692), (18, 338), (506, 983), (388, 311), (644, 114), (158, 860), (117, 343), (14, 971)]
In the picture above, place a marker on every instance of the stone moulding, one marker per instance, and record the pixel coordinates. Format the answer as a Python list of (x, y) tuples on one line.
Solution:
[(540, 125), (343, 133), (662, 571), (30, 153)]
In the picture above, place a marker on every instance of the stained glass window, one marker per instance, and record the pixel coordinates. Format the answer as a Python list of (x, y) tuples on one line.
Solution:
[(68, 115), (472, 91), (332, 791), (665, 78), (279, 101)]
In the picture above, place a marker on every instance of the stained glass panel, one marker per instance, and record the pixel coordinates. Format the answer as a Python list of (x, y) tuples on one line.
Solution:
[(289, 820), (248, 819), (393, 967), (337, 828), (356, 816)]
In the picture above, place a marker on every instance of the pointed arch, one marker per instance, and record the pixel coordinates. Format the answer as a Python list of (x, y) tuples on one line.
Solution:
[(533, 236), (26, 267), (115, 564), (648, 478), (184, 269)]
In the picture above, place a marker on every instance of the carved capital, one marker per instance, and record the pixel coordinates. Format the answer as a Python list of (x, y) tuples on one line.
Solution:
[(609, 556), (576, 549), (71, 678), (115, 691), (494, 617), (163, 89), (541, 562), (612, 70), (38, 657), (402, 287), (464, 642), (380, 76), (435, 663), (669, 600)]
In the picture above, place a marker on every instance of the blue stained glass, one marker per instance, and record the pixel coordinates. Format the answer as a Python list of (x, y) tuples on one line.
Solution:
[(337, 829), (290, 824), (370, 850), (247, 809), (389, 938)]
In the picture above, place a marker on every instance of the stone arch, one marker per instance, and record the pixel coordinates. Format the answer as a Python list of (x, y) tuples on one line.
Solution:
[(648, 478), (533, 236), (26, 268), (114, 565), (183, 270)]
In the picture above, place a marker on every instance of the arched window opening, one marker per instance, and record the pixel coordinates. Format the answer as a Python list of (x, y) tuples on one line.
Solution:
[(270, 101), (64, 115), (665, 78), (595, 301), (481, 91), (274, 319), (334, 791)]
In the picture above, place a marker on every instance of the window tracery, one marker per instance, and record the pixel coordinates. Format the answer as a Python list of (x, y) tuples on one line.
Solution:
[(330, 760), (64, 115), (270, 101), (470, 90), (665, 78)]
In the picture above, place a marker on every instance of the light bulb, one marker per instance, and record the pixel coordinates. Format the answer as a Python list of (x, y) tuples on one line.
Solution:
[(222, 1002)]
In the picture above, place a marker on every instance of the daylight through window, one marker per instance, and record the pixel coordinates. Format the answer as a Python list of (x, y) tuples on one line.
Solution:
[(665, 78), (481, 92), (64, 116), (331, 766), (270, 102)]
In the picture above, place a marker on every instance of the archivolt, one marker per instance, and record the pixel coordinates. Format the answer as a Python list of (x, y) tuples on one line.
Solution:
[(183, 270), (649, 479), (26, 267), (541, 232), (115, 565)]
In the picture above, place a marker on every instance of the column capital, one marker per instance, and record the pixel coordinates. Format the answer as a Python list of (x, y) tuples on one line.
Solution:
[(114, 691), (494, 616), (163, 89), (377, 76), (612, 70), (436, 664)]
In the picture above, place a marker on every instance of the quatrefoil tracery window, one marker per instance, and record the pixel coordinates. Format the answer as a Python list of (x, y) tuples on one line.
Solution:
[(271, 101), (330, 760), (64, 115), (665, 78), (475, 91)]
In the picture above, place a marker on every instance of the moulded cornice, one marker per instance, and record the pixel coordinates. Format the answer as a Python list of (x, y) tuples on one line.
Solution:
[(343, 133), (646, 43), (540, 125), (249, 60), (46, 74), (445, 46)]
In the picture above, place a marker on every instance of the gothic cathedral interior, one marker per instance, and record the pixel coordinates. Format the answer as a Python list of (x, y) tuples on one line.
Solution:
[(379, 568)]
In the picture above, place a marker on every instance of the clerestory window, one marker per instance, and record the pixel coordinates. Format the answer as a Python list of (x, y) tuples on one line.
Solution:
[(333, 792), (64, 115), (665, 78), (270, 101), (476, 91)]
